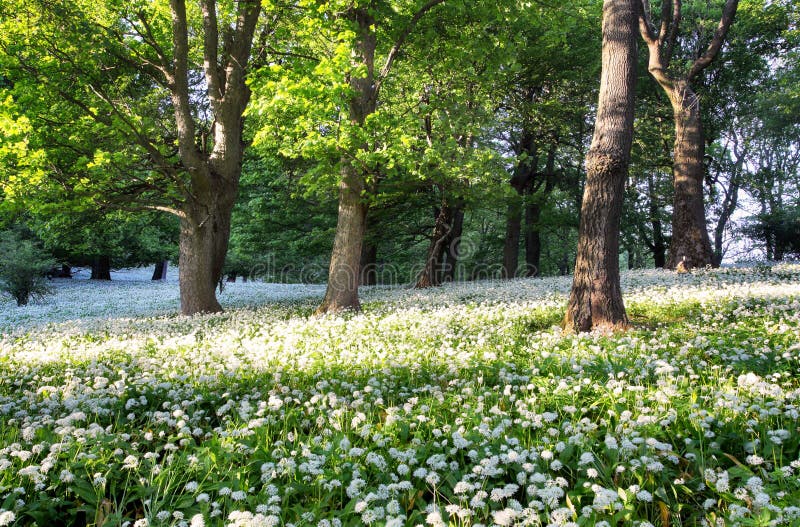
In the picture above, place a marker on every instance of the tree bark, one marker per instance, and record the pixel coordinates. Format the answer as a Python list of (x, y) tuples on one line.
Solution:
[(533, 239), (513, 230), (595, 300), (160, 272), (451, 250), (431, 275), (203, 245), (213, 175), (690, 242), (344, 272), (101, 268), (659, 246), (369, 264)]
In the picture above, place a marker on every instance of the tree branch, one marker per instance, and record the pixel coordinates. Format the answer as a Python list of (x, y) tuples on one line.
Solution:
[(672, 38), (646, 24), (242, 44), (211, 52), (702, 62), (401, 41), (180, 90)]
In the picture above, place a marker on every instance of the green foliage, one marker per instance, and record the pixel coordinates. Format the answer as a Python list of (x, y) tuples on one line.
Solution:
[(779, 231), (23, 265)]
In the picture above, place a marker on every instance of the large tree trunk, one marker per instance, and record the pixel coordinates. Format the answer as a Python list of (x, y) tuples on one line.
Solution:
[(513, 230), (205, 231), (690, 243), (595, 301), (533, 239), (214, 167), (344, 271), (101, 268)]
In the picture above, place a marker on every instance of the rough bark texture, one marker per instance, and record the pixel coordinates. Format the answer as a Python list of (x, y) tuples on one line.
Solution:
[(101, 268), (196, 277), (344, 271), (595, 301), (213, 167), (690, 241)]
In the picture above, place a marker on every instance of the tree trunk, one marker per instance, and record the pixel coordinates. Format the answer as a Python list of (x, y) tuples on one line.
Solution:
[(690, 243), (659, 246), (101, 268), (595, 301), (728, 208), (431, 274), (160, 272), (369, 264), (513, 230), (533, 240), (203, 245), (344, 271), (451, 250), (213, 167)]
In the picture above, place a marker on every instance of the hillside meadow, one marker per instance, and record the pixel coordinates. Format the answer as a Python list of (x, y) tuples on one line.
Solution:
[(462, 405)]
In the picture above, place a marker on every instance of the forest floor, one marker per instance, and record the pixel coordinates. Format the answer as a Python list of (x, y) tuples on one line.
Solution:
[(460, 405)]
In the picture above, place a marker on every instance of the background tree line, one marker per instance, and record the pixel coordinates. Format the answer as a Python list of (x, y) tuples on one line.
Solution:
[(362, 142)]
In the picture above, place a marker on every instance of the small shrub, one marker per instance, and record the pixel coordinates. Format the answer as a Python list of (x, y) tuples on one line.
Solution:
[(23, 266)]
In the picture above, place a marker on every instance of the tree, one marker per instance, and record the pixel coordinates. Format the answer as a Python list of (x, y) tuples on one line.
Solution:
[(331, 83), (595, 301), (23, 265), (690, 242), (546, 91), (166, 86), (105, 239)]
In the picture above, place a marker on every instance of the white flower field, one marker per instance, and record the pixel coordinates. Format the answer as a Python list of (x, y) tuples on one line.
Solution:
[(462, 405)]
